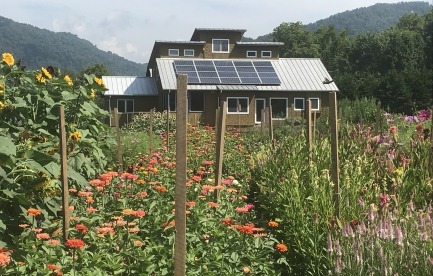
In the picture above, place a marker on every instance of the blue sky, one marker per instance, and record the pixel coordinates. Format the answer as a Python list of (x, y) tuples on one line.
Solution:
[(129, 28)]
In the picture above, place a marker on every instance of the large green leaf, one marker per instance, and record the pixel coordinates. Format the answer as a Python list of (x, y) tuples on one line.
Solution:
[(53, 168), (74, 175), (7, 147)]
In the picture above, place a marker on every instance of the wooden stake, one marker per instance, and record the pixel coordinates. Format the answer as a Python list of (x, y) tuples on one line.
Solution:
[(262, 123), (271, 124), (309, 126), (151, 132), (64, 173), (335, 170), (119, 143), (220, 146), (180, 196), (168, 127)]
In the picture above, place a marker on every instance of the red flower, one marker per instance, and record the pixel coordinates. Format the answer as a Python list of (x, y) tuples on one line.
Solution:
[(82, 228), (74, 243)]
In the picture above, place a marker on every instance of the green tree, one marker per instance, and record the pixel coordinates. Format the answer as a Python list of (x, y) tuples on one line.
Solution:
[(97, 69)]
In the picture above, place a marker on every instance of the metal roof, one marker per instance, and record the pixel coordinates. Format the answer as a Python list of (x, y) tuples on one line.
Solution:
[(295, 74), (129, 86), (246, 43), (220, 30), (180, 42), (237, 87)]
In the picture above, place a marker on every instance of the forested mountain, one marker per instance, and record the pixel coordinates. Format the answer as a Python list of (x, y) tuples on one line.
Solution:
[(39, 47), (371, 19)]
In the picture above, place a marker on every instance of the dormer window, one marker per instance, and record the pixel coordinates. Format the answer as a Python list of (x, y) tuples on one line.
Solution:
[(251, 54), (188, 52), (173, 52), (266, 54), (220, 45)]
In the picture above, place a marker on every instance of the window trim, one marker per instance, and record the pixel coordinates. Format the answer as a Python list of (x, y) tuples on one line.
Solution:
[(263, 56), (125, 105), (287, 107), (173, 55), (318, 104), (220, 51), (253, 56), (237, 100), (294, 104), (190, 99), (186, 55)]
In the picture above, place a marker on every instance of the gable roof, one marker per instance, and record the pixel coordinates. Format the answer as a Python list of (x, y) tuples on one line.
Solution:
[(295, 74), (196, 32), (129, 86)]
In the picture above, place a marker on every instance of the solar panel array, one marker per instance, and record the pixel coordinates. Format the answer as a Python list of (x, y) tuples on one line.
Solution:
[(227, 72)]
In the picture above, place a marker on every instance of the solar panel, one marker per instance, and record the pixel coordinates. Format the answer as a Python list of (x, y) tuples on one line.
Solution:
[(228, 72)]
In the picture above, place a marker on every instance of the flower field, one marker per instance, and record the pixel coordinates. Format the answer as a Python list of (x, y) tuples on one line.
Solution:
[(274, 215)]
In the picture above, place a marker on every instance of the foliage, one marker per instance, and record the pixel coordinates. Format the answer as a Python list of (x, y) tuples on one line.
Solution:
[(141, 122), (30, 150), (37, 46)]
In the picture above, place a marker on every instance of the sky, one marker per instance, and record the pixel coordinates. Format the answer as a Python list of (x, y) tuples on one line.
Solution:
[(129, 28)]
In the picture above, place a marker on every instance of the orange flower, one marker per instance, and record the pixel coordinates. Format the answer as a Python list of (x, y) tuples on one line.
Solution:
[(213, 204), (74, 243), (4, 259), (161, 189), (91, 210), (81, 227), (281, 247), (43, 236), (393, 129), (227, 221), (139, 213), (54, 242), (138, 243), (53, 267), (273, 224), (128, 212), (142, 194), (33, 212)]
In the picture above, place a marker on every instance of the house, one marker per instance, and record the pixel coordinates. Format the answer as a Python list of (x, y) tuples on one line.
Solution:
[(130, 95), (222, 67)]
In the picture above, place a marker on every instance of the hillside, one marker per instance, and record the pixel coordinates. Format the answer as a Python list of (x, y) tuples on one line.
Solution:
[(362, 20), (39, 47)]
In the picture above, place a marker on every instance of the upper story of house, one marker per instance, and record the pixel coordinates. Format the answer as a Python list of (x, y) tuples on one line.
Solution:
[(209, 43)]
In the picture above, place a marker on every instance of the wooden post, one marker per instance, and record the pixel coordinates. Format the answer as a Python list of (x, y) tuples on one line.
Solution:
[(151, 132), (314, 125), (220, 146), (309, 126), (262, 123), (271, 124), (335, 170), (168, 127), (180, 196), (119, 143), (378, 128), (64, 173)]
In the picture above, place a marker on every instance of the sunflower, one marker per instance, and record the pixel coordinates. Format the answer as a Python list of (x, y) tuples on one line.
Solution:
[(67, 78), (99, 81), (8, 58), (40, 78), (75, 136), (92, 94), (46, 73), (2, 87)]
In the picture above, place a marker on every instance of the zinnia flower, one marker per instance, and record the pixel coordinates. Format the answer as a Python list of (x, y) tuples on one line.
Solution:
[(281, 247), (74, 243), (81, 227), (273, 224), (4, 259), (33, 212), (43, 236), (8, 58)]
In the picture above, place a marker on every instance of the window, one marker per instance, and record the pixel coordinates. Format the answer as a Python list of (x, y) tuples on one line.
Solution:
[(279, 108), (125, 106), (188, 52), (299, 104), (237, 105), (266, 54), (251, 54), (220, 45), (314, 103), (196, 101), (173, 52), (172, 101)]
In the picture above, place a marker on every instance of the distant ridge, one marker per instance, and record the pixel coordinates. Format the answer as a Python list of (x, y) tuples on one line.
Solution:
[(40, 47)]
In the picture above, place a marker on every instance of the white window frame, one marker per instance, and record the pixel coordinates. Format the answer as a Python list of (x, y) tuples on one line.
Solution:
[(190, 101), (267, 55), (318, 103), (191, 52), (172, 52), (251, 52), (294, 104), (287, 107), (237, 104), (125, 102), (214, 50)]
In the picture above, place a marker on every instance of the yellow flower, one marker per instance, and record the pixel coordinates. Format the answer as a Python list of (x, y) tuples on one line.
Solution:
[(99, 81), (8, 58), (1, 105), (68, 80), (75, 136), (46, 73), (92, 94), (2, 87), (40, 78)]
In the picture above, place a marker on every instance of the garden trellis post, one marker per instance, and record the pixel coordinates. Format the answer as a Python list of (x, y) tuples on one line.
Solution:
[(168, 126), (64, 172), (335, 170), (262, 123), (309, 127), (271, 125), (119, 145), (180, 196), (221, 127), (151, 132)]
